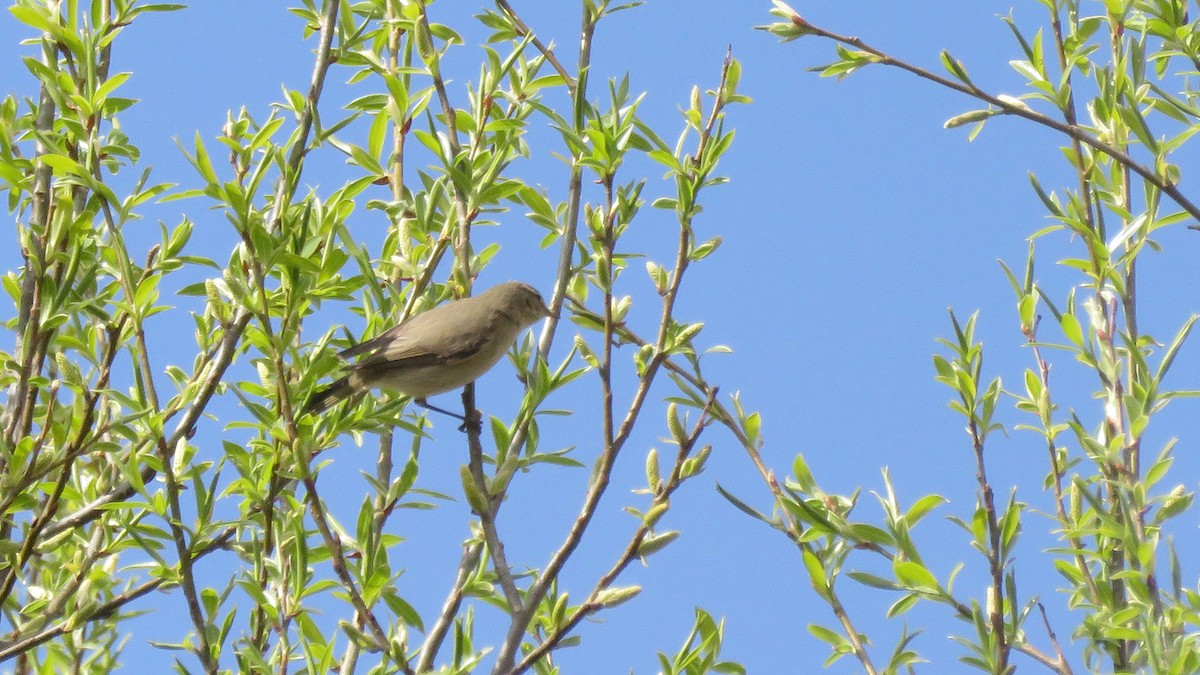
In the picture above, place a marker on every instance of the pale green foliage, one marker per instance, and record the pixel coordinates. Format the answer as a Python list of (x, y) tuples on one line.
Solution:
[(113, 492), (1116, 80)]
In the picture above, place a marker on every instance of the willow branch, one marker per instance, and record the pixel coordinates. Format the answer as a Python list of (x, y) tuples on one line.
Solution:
[(441, 627), (632, 551), (9, 650), (523, 30), (1017, 109)]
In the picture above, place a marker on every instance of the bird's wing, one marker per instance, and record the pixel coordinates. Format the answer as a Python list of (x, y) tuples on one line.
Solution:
[(374, 343), (429, 336)]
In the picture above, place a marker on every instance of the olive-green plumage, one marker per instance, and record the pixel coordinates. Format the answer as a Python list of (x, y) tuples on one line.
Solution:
[(441, 349)]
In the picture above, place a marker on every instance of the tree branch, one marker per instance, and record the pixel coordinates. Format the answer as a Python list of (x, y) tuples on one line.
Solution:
[(1019, 110)]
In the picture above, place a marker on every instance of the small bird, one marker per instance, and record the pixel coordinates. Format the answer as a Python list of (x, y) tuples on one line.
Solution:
[(444, 348)]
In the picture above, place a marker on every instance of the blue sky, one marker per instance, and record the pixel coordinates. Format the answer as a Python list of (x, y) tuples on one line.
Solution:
[(851, 222)]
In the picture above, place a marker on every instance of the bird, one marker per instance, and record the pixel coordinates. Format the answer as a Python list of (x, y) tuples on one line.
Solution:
[(441, 349)]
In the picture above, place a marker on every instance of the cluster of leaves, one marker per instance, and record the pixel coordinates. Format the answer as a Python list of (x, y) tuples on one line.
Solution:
[(1111, 507), (112, 486)]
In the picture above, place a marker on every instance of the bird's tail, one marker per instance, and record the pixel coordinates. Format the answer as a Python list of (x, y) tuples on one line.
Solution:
[(329, 396)]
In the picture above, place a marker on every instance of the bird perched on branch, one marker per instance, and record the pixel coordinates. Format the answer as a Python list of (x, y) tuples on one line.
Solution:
[(444, 348)]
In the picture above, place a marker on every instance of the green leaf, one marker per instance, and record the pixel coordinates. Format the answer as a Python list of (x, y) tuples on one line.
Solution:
[(837, 640), (803, 476), (816, 573), (923, 506), (742, 506), (915, 576), (954, 67), (752, 427), (1071, 329), (873, 581), (62, 164), (871, 534), (406, 612), (1027, 70), (705, 249), (905, 603)]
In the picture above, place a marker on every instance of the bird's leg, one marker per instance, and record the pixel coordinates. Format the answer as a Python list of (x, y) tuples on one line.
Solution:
[(429, 406), (475, 421)]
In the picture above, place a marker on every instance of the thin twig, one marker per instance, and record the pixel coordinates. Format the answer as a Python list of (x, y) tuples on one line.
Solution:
[(337, 557), (1056, 470), (591, 605), (1063, 668), (1019, 110), (462, 247), (753, 452), (570, 225), (995, 607), (18, 410), (286, 188), (462, 213), (523, 30), (614, 438), (211, 374), (187, 578), (104, 611), (441, 627), (490, 508)]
